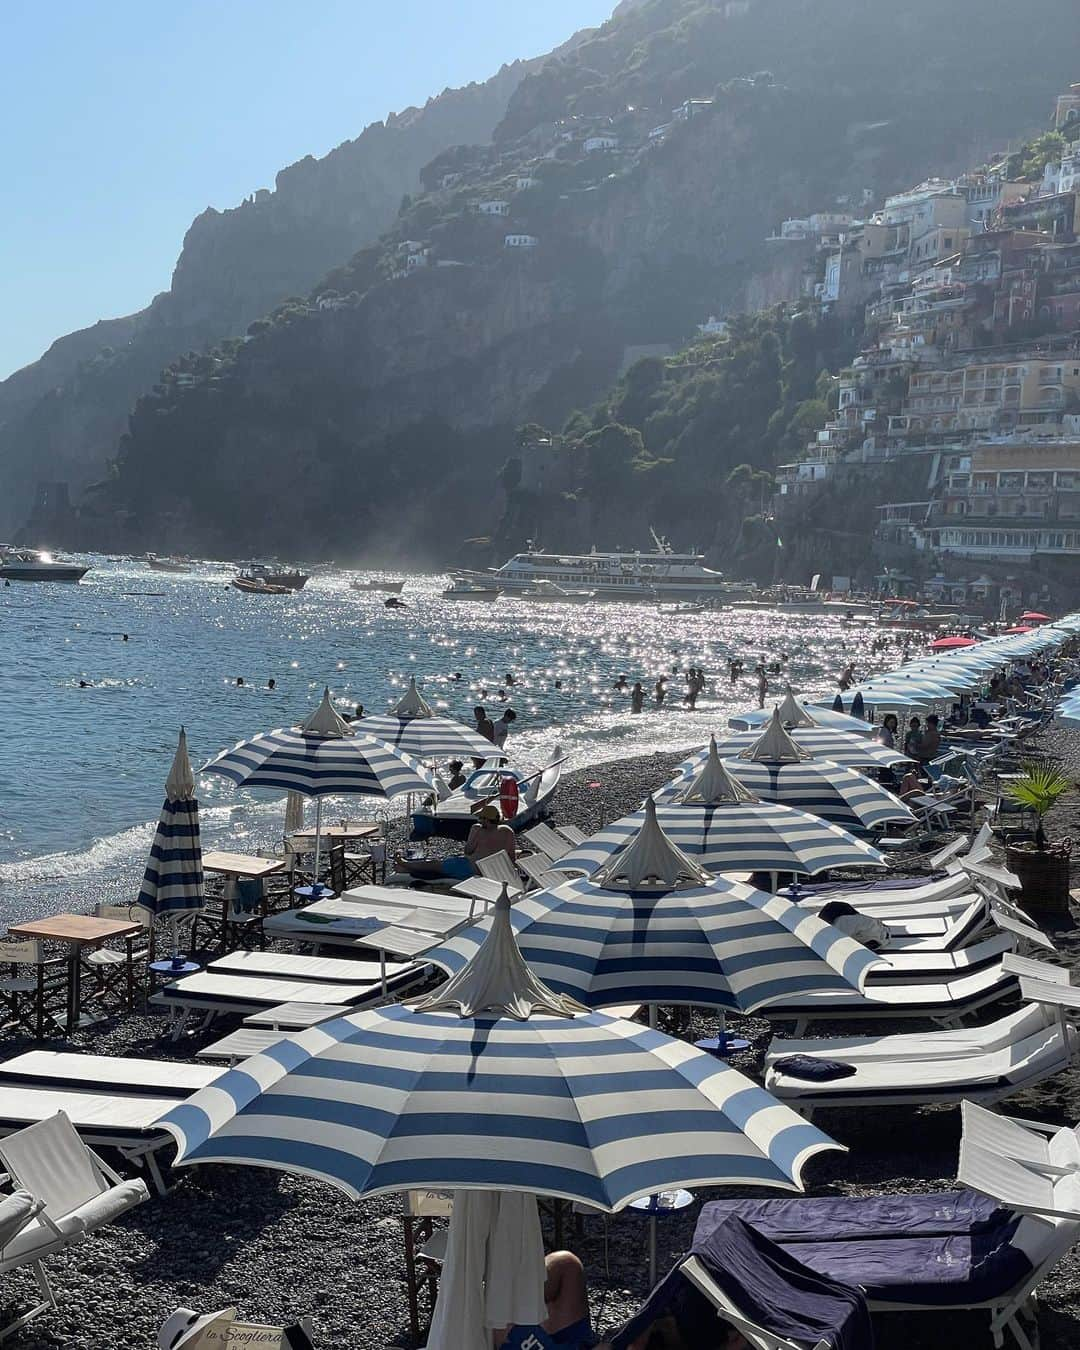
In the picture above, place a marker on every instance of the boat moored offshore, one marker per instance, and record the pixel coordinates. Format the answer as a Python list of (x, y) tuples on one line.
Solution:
[(31, 564)]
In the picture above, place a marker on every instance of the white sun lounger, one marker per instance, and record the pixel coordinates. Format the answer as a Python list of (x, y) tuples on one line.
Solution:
[(939, 935), (752, 1333), (295, 1016), (105, 1073), (285, 966), (76, 1191), (1025, 1141), (25, 1240), (923, 965), (946, 1001), (987, 1077), (242, 1044), (547, 840)]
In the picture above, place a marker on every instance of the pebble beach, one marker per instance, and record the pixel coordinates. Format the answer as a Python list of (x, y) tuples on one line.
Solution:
[(280, 1247)]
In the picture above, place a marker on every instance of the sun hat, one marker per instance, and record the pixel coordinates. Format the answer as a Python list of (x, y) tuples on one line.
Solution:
[(489, 812)]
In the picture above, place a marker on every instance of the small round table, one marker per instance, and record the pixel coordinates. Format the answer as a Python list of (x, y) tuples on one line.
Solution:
[(722, 1045), (315, 892), (162, 971), (658, 1206)]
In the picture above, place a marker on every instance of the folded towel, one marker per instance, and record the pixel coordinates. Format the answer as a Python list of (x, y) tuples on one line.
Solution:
[(812, 1069)]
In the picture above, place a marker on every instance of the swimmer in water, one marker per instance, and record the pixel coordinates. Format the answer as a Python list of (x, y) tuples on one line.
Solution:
[(509, 678), (83, 684), (124, 637), (271, 684), (239, 680)]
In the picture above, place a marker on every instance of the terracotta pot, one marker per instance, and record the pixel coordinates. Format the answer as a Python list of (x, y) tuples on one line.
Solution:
[(1044, 875)]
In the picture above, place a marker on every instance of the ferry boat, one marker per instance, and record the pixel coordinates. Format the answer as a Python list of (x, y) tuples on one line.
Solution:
[(30, 564), (659, 574)]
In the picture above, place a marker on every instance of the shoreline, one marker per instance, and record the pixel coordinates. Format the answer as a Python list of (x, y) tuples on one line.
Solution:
[(281, 1246)]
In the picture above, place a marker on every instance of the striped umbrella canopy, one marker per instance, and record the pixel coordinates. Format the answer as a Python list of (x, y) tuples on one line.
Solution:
[(173, 881), (724, 827), (323, 757), (854, 752), (495, 1081), (412, 726), (794, 712), (779, 770), (653, 926)]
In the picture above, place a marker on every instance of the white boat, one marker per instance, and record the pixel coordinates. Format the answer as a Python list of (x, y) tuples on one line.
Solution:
[(177, 565), (392, 587), (261, 575), (657, 574), (553, 594), (31, 564), (454, 814), (464, 588)]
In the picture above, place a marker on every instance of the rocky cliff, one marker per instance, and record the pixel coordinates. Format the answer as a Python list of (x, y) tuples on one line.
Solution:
[(61, 417)]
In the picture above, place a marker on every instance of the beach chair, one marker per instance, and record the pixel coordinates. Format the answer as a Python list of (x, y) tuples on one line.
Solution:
[(31, 985), (286, 966), (105, 1073), (425, 1249), (499, 867), (486, 890), (546, 840), (78, 1193), (241, 1044), (573, 836), (112, 971), (25, 1240)]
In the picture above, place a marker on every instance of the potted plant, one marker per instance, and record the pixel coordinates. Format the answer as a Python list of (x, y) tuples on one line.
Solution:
[(1043, 868)]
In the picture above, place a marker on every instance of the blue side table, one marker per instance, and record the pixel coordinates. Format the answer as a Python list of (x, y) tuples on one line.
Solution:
[(315, 892), (657, 1207), (723, 1045), (161, 972)]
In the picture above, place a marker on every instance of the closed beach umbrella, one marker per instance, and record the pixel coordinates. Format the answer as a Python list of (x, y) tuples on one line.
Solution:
[(854, 752), (778, 770), (294, 812), (794, 712), (495, 1082), (726, 828), (323, 757), (173, 882), (412, 726), (653, 926)]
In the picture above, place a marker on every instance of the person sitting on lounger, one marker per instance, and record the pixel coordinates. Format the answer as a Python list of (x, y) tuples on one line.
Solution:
[(487, 837)]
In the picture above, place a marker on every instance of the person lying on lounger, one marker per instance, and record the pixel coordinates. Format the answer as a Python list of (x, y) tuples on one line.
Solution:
[(487, 837)]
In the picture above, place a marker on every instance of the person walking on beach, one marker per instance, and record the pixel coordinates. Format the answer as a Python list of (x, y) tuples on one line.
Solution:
[(483, 723), (637, 697), (762, 684), (847, 678)]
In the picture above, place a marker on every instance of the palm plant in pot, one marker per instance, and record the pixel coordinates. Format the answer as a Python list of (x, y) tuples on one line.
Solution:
[(1043, 867)]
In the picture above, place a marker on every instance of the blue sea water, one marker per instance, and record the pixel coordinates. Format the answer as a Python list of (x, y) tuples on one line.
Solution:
[(82, 770)]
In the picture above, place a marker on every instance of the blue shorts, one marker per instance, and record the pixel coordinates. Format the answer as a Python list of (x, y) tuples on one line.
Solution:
[(579, 1336), (458, 868)]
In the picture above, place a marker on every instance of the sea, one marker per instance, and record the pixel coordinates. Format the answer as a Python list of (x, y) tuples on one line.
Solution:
[(96, 680)]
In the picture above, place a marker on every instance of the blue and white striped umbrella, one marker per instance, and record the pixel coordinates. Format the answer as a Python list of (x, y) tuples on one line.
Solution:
[(794, 712), (652, 926), (324, 757), (412, 726), (854, 752), (173, 881), (496, 1083)]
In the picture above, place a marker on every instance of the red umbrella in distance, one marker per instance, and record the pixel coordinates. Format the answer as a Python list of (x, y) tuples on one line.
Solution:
[(948, 644)]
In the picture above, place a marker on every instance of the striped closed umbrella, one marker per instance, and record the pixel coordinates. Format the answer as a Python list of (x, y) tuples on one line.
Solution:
[(323, 757), (412, 726), (653, 926), (173, 882), (726, 828), (495, 1082), (778, 770)]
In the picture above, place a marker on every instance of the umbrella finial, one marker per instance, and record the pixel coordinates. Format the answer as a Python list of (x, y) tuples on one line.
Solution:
[(651, 862), (496, 982), (793, 713), (412, 704), (180, 784), (775, 746), (713, 786), (326, 721)]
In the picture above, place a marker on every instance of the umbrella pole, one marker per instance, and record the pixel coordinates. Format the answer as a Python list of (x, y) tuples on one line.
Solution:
[(318, 840)]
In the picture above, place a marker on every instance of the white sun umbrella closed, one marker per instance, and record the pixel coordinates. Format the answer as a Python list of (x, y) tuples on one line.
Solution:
[(414, 727), (324, 756), (495, 1083), (779, 770), (653, 926), (173, 882), (726, 828), (796, 713)]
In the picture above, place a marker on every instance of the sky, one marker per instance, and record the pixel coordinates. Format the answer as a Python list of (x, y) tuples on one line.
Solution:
[(123, 119)]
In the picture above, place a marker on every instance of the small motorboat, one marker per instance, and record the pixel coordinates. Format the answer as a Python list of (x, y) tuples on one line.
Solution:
[(461, 588), (394, 587), (523, 796), (554, 594), (252, 586), (289, 579), (31, 564), (176, 565)]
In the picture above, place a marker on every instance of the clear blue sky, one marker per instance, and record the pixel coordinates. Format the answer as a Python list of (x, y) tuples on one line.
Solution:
[(123, 119)]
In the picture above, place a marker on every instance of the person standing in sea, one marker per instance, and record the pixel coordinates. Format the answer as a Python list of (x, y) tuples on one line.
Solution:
[(637, 697), (762, 684), (484, 723)]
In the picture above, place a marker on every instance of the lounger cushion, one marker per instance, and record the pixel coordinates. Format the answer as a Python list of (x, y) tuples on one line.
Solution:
[(814, 1070), (110, 1204), (16, 1210), (843, 1217), (38, 1240)]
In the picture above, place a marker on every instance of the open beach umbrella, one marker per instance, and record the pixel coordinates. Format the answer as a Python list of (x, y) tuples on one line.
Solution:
[(723, 826), (1020, 628), (946, 644), (854, 752), (412, 726), (173, 882), (778, 770), (794, 712), (1033, 616), (653, 926), (324, 756), (495, 1083)]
